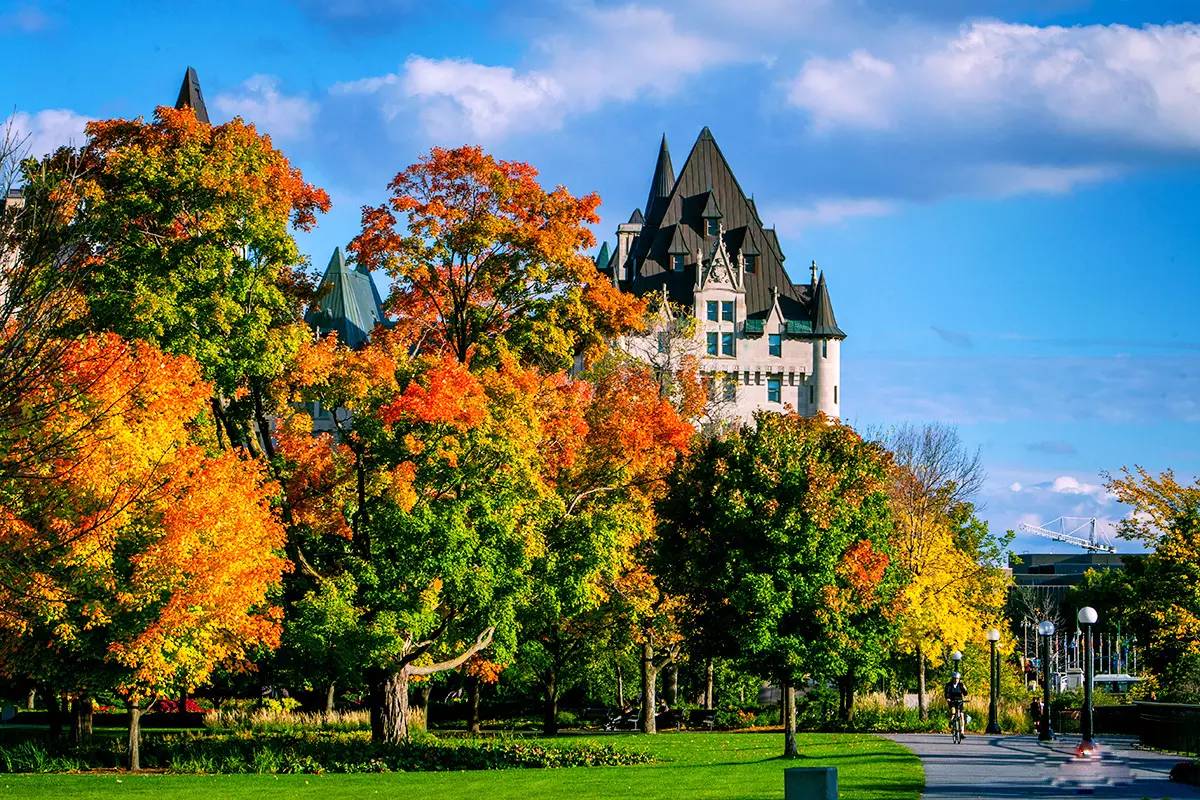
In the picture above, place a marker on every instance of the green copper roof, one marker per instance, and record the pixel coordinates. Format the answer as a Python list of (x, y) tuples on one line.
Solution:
[(753, 327), (348, 303), (603, 257), (797, 327)]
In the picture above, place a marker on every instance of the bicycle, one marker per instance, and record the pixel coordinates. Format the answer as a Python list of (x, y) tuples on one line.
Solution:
[(957, 723)]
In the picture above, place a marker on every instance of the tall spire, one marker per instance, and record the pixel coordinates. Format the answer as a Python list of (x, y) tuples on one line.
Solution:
[(191, 97), (663, 181)]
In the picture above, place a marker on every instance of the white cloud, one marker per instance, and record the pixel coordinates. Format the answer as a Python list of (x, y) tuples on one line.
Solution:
[(45, 131), (830, 211), (599, 56), (1067, 484), (1015, 486), (1133, 86), (258, 100)]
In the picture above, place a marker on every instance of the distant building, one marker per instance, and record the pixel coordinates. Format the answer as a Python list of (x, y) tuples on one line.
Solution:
[(765, 342), (1058, 572)]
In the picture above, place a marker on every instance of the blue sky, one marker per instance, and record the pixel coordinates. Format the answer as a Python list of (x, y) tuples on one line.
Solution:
[(1003, 195)]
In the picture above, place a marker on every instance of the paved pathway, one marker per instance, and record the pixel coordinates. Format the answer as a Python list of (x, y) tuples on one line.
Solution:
[(1019, 766)]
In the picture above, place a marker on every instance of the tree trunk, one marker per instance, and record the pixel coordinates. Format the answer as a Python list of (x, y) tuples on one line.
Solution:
[(648, 676), (261, 423), (54, 714), (790, 748), (620, 687), (183, 698), (473, 691), (671, 684), (550, 705), (922, 700), (389, 708), (81, 719), (708, 684), (330, 697), (135, 736)]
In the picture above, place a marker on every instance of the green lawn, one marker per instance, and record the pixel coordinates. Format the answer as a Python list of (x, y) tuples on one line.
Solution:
[(740, 766)]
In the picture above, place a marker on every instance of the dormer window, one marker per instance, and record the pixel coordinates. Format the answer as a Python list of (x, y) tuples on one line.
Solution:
[(677, 262), (751, 262), (714, 226)]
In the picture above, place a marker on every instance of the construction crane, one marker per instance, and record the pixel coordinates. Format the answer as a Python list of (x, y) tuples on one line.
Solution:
[(1068, 529)]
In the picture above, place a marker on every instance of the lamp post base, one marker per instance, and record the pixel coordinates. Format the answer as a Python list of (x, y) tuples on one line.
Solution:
[(992, 727), (1088, 748), (1045, 736)]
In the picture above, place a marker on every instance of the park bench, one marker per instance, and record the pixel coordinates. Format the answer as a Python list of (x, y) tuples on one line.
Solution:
[(702, 719)]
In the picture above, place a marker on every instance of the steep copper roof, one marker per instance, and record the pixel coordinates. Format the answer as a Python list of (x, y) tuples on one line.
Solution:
[(706, 184), (190, 95), (347, 304), (824, 323)]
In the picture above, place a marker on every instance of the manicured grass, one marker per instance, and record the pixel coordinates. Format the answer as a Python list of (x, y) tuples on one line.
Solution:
[(696, 766)]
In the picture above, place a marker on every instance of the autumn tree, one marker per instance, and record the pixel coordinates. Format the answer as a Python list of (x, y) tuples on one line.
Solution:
[(133, 562), (629, 437), (42, 266), (1158, 596), (956, 586), (482, 258), (189, 230), (417, 515), (777, 536)]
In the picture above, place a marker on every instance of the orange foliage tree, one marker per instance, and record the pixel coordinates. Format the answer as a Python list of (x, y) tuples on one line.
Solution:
[(487, 258), (133, 562)]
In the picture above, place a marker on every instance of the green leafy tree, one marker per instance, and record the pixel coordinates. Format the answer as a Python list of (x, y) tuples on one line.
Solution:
[(778, 534), (188, 227)]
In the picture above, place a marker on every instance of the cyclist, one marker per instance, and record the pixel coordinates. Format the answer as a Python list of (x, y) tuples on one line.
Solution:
[(956, 695)]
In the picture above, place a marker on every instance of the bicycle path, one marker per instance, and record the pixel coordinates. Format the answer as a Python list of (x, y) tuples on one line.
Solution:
[(1020, 766)]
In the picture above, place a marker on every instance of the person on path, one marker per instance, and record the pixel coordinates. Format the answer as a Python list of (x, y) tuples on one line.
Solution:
[(956, 696)]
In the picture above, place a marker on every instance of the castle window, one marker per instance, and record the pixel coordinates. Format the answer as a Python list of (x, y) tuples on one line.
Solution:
[(727, 310), (751, 262), (835, 393), (677, 262), (712, 310), (712, 343), (664, 342), (774, 390), (824, 348), (726, 344), (775, 345), (731, 388), (714, 226), (812, 394)]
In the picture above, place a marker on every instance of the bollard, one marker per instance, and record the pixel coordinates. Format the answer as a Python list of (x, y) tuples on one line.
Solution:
[(810, 783)]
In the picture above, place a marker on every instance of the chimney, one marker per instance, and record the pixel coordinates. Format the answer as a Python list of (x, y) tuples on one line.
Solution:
[(813, 273)]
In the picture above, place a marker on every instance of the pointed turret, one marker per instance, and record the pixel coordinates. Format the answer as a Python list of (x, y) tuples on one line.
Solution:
[(191, 97), (824, 322), (602, 258), (348, 303), (663, 181)]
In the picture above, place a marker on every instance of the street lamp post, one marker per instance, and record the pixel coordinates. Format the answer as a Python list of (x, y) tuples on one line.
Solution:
[(993, 725), (1087, 618), (1045, 629)]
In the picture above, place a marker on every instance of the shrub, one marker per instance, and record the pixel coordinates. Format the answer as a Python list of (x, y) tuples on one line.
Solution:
[(314, 752), (333, 751)]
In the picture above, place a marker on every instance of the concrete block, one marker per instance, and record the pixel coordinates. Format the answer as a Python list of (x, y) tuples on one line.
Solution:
[(810, 783)]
